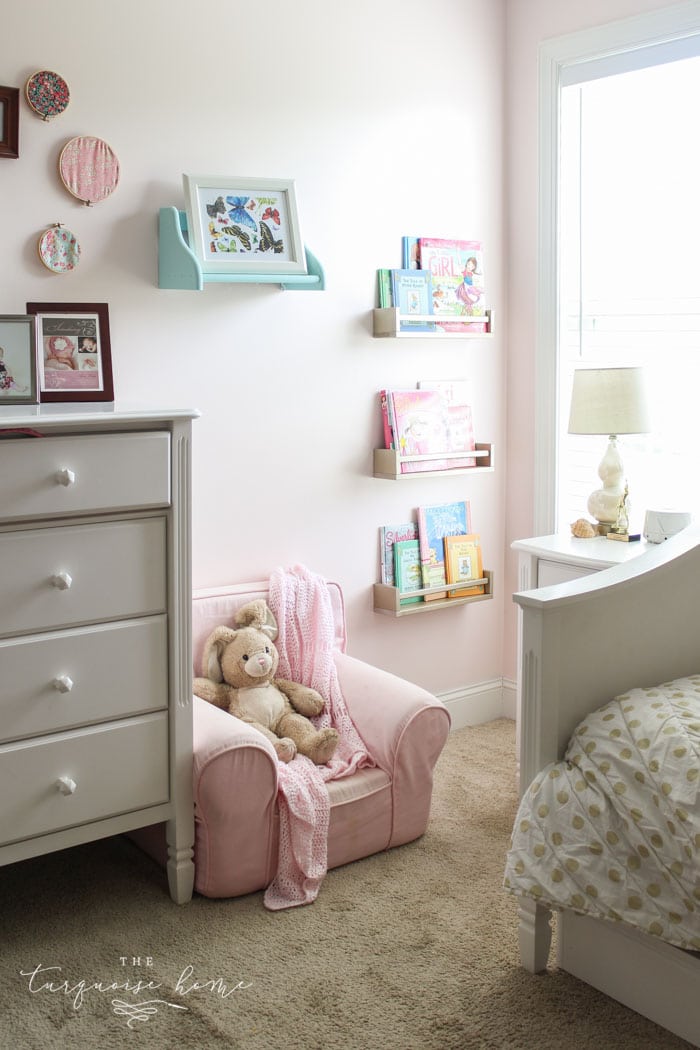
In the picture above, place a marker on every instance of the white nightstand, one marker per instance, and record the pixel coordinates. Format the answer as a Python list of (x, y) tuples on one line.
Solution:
[(547, 560)]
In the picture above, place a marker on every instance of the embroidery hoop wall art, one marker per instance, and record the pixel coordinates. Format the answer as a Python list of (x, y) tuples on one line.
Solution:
[(89, 169), (47, 94), (59, 249)]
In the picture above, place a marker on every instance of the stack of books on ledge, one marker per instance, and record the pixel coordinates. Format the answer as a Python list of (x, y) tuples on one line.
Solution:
[(433, 421), (438, 547), (439, 277)]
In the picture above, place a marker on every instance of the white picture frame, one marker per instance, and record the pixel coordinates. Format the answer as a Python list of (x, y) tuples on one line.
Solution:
[(244, 225)]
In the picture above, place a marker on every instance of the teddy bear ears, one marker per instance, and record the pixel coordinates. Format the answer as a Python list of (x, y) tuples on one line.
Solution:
[(255, 614), (258, 614)]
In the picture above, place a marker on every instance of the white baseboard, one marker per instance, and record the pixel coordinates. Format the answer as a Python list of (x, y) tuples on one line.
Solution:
[(475, 704)]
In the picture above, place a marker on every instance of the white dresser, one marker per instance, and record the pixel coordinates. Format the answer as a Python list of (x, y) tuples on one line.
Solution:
[(95, 630)]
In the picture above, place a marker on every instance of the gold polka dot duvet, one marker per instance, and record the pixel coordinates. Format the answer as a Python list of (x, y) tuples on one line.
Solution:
[(613, 830)]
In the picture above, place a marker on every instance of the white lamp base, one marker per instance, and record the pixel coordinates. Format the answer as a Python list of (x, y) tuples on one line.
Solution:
[(604, 503)]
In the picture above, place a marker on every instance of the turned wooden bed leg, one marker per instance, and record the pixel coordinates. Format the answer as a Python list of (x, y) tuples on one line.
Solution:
[(534, 935)]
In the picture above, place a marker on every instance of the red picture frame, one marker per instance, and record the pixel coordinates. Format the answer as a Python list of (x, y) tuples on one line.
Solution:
[(9, 122), (74, 354)]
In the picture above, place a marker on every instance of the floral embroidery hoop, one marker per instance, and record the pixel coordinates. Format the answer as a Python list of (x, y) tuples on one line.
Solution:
[(89, 168), (59, 249), (47, 93)]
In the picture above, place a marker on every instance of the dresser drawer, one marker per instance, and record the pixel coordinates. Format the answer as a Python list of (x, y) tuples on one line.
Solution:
[(58, 476), (65, 679), (115, 768), (75, 574)]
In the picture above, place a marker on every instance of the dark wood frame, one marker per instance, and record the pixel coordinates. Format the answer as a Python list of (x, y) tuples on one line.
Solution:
[(102, 311), (9, 126)]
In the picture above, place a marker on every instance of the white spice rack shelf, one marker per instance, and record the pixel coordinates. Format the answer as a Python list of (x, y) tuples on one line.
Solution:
[(387, 463), (387, 325), (387, 599)]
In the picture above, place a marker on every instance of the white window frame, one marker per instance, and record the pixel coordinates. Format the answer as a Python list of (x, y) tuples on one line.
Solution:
[(663, 35)]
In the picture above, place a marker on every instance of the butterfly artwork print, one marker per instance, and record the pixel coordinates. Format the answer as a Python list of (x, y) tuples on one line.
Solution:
[(267, 241), (217, 208), (244, 225), (238, 214), (236, 231), (273, 214)]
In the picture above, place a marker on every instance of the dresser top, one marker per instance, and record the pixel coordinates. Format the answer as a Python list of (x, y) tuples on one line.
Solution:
[(51, 416)]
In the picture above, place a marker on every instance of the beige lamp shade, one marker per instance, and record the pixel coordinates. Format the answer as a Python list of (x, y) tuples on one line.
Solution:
[(609, 401)]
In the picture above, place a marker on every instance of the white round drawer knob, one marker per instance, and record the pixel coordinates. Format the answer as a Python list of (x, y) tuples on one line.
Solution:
[(63, 684), (62, 580), (66, 786), (65, 477)]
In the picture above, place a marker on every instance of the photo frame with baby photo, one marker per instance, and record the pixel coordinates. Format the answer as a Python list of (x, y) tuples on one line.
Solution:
[(74, 357), (18, 374)]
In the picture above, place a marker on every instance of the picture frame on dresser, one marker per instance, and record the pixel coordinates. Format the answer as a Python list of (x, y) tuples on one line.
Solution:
[(74, 354), (18, 374), (244, 225)]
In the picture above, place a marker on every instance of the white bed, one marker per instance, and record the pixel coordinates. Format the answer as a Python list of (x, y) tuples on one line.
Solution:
[(583, 643)]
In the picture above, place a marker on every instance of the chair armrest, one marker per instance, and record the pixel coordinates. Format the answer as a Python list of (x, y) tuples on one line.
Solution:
[(404, 728), (235, 784), (382, 706)]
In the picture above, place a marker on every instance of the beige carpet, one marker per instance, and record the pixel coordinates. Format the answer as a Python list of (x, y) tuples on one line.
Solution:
[(410, 950)]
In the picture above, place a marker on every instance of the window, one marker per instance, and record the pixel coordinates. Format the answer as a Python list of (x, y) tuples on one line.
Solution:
[(630, 274), (621, 217)]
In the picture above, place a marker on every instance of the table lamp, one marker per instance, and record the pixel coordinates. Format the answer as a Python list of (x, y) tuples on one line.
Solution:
[(609, 401)]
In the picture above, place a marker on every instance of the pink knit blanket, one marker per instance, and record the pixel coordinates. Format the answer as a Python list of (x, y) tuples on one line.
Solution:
[(301, 603)]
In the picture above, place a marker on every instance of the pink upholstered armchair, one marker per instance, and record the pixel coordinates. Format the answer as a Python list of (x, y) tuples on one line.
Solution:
[(404, 728)]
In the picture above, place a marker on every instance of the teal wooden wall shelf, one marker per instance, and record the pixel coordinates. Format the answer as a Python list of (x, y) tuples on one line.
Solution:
[(179, 267)]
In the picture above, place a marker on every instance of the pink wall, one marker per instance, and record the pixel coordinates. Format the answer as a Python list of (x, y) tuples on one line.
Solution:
[(389, 116), (527, 25)]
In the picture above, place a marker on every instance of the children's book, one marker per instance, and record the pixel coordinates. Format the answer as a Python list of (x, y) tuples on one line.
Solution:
[(387, 422), (412, 293), (457, 272), (456, 394), (463, 562), (384, 296), (410, 253), (388, 536), (407, 571), (420, 428), (434, 523)]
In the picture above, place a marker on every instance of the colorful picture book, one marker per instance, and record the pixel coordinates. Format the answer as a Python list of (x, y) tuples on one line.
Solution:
[(407, 570), (434, 523), (456, 395), (412, 293), (433, 419), (457, 272), (384, 294), (419, 426), (410, 253), (387, 426), (463, 563), (389, 535)]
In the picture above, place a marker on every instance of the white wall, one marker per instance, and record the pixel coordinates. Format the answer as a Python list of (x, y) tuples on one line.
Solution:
[(390, 118), (528, 24)]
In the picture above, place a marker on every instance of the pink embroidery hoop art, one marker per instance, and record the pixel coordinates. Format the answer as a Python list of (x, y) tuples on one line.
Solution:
[(89, 169)]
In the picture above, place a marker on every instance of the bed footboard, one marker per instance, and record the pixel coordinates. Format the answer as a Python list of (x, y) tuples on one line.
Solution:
[(588, 640)]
